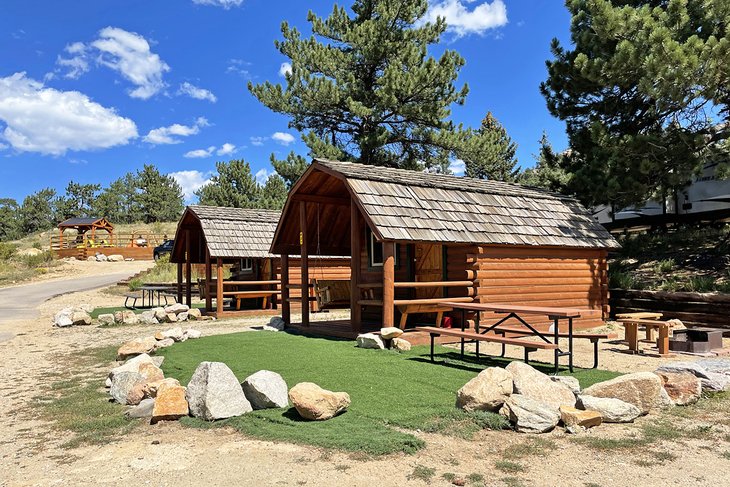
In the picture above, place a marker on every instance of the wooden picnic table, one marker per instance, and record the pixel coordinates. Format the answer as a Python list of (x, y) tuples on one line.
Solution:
[(642, 315), (631, 325), (555, 314)]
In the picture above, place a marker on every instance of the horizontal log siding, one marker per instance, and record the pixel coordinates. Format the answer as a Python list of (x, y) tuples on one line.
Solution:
[(318, 269), (571, 278)]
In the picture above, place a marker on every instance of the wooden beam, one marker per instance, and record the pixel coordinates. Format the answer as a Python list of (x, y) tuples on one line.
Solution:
[(304, 265), (315, 198), (285, 306), (208, 278), (219, 285), (179, 282), (188, 271), (355, 250), (388, 284)]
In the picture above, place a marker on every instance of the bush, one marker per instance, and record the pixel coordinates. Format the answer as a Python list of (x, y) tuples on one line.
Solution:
[(664, 266), (36, 260), (701, 284), (622, 279), (7, 250)]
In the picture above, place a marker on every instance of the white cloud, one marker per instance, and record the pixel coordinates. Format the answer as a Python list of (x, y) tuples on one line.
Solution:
[(195, 92), (262, 175), (238, 67), (168, 135), (200, 153), (129, 53), (283, 138), (226, 149), (191, 181), (77, 64), (457, 167), (284, 69), (45, 120), (226, 4), (462, 21), (258, 141)]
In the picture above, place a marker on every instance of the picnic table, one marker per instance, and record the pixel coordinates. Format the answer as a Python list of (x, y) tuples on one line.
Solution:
[(547, 340), (150, 292)]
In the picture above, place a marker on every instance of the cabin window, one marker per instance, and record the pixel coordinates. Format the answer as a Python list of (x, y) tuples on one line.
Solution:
[(375, 251), (246, 265)]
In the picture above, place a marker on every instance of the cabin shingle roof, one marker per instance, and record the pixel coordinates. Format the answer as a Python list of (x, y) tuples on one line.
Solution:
[(417, 206)]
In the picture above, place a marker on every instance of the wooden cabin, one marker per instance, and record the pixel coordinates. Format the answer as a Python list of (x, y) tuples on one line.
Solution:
[(230, 248), (419, 239)]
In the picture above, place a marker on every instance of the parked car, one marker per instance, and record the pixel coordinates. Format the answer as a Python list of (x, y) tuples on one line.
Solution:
[(163, 249)]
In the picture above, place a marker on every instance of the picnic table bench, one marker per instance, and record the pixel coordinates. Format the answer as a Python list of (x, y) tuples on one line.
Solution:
[(631, 325), (239, 296), (406, 309), (133, 297)]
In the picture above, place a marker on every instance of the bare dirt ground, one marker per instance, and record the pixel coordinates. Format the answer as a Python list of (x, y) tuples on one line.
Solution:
[(170, 454)]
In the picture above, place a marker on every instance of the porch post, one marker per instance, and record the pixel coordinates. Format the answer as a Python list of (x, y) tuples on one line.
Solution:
[(388, 283), (355, 249), (208, 278), (188, 270), (285, 305), (305, 262), (219, 286), (179, 281)]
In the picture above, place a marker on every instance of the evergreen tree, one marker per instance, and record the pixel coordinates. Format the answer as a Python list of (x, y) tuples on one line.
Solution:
[(644, 94), (9, 219), (364, 88), (78, 201), (234, 186), (291, 168), (548, 172), (273, 194), (160, 197), (37, 212), (118, 201), (489, 153)]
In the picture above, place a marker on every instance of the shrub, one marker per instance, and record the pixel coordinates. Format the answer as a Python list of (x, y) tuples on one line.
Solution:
[(36, 260), (621, 279), (701, 284), (664, 266), (7, 250)]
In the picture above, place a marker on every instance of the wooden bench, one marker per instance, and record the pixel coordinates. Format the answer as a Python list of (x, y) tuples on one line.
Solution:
[(239, 296), (133, 297), (593, 337), (631, 325), (407, 309), (642, 315), (529, 346)]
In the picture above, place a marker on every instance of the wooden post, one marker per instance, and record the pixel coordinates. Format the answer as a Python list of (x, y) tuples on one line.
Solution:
[(355, 250), (285, 305), (179, 281), (388, 283), (208, 278), (305, 262), (188, 271), (219, 286)]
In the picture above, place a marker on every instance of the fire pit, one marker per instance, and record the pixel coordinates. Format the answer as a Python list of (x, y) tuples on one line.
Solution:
[(696, 340)]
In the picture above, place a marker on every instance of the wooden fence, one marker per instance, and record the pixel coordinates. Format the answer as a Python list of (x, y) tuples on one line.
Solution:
[(125, 244), (693, 309)]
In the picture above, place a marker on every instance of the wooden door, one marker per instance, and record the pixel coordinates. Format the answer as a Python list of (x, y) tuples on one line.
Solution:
[(429, 266)]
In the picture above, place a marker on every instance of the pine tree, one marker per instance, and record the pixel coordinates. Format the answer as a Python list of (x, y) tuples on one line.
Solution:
[(160, 197), (38, 212), (489, 152), (273, 194), (548, 172), (78, 200), (364, 88), (291, 168), (234, 186), (9, 219), (641, 94)]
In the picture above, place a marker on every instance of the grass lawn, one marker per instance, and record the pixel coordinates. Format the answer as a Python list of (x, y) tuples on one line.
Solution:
[(388, 389)]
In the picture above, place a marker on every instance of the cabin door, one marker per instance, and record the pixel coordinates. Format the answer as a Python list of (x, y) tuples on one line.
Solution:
[(429, 267)]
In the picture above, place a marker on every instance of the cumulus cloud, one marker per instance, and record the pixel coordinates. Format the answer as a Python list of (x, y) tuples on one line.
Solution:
[(195, 92), (226, 149), (77, 63), (457, 167), (49, 121), (258, 141), (284, 69), (200, 153), (191, 181), (170, 134), (129, 53), (462, 20), (283, 138), (226, 4), (262, 175)]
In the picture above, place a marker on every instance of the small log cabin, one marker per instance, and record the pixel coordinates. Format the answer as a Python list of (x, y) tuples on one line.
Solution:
[(419, 239), (216, 239)]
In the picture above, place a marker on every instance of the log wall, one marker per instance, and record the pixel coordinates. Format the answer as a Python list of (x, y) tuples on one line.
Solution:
[(693, 309), (318, 269)]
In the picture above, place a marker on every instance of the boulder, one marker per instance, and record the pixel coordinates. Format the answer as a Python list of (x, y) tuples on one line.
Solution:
[(131, 365), (176, 308), (151, 372), (170, 318), (157, 360), (713, 378), (80, 318), (174, 333), (664, 401), (277, 323), (63, 318), (160, 314), (571, 382), (147, 318), (106, 319), (486, 392), (155, 387), (682, 388), (165, 342), (612, 410), (266, 389), (122, 385), (115, 258), (194, 314), (137, 347), (390, 332), (101, 258), (184, 316), (215, 393), (137, 393), (126, 317), (142, 410), (641, 389), (580, 417), (192, 334), (400, 344), (91, 258), (532, 383), (170, 404), (89, 308), (370, 340), (529, 415), (314, 403)]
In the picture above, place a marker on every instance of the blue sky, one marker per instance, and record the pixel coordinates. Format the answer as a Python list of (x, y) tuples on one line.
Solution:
[(92, 89)]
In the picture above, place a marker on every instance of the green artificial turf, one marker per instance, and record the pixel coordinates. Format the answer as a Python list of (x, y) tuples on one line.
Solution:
[(388, 389)]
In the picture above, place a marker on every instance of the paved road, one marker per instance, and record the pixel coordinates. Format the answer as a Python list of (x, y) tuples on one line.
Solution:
[(21, 302)]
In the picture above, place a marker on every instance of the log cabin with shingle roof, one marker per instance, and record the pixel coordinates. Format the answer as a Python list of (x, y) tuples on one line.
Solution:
[(418, 239), (237, 241)]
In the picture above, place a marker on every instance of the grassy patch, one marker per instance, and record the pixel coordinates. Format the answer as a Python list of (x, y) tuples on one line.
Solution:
[(421, 472), (531, 447), (509, 467)]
